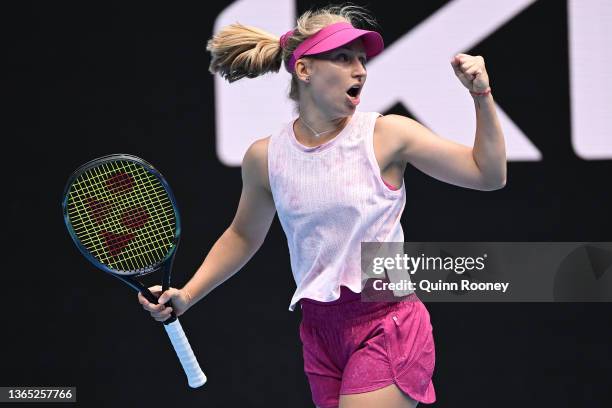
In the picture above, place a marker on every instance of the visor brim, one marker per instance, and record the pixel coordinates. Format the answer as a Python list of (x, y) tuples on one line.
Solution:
[(372, 42)]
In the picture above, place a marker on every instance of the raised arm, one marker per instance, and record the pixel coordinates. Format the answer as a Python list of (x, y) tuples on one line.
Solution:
[(237, 244), (481, 167)]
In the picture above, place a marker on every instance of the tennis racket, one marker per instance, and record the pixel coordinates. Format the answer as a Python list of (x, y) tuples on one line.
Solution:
[(122, 215)]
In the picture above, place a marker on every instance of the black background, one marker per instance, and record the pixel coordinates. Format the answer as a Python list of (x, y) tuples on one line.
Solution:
[(84, 81)]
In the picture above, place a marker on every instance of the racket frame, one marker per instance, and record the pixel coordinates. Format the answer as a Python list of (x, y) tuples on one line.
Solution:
[(129, 278)]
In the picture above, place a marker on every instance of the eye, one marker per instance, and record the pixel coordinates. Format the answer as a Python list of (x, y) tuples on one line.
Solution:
[(342, 57), (363, 60)]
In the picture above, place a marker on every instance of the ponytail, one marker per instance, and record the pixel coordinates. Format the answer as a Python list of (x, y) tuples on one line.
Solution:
[(240, 51)]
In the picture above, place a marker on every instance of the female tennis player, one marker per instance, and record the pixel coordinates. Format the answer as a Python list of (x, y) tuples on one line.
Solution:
[(335, 177)]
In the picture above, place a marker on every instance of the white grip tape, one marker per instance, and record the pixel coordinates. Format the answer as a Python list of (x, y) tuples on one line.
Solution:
[(195, 376)]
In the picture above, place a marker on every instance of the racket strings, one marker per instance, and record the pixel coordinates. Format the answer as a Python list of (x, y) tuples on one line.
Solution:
[(130, 223), (124, 207), (139, 200), (168, 211), (165, 215), (119, 239)]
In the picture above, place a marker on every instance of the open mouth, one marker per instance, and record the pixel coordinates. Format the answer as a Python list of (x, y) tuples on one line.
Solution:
[(354, 91)]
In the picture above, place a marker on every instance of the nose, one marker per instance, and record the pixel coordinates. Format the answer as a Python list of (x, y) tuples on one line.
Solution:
[(358, 68)]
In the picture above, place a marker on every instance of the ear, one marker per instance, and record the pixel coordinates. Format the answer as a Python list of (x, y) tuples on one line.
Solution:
[(303, 69)]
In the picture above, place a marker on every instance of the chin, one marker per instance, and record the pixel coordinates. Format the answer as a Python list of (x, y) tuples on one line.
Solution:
[(349, 107)]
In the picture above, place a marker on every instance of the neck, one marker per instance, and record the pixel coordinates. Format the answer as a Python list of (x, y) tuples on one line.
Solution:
[(315, 125)]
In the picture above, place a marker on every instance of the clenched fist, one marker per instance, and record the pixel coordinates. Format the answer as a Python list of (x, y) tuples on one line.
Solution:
[(181, 301), (471, 72)]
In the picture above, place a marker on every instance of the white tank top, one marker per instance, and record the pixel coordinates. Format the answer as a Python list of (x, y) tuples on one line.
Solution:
[(329, 199)]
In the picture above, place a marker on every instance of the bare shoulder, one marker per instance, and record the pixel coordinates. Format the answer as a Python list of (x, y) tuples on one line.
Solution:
[(390, 125), (392, 133), (258, 150), (255, 163)]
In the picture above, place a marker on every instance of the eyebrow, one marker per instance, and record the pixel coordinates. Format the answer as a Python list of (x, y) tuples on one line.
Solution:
[(351, 50)]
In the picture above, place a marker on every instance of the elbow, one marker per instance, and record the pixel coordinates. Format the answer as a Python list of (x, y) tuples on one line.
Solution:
[(494, 179), (494, 185), (501, 184), (252, 239)]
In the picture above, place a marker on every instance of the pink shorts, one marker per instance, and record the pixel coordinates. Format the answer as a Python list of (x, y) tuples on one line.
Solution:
[(352, 347)]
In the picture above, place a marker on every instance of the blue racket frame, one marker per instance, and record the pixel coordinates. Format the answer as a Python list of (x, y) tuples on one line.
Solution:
[(130, 279)]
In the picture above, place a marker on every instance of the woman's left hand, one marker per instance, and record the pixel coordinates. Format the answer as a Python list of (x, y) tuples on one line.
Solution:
[(471, 72)]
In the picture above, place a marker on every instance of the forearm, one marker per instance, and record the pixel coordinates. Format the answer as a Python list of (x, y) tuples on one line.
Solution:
[(227, 256), (489, 150)]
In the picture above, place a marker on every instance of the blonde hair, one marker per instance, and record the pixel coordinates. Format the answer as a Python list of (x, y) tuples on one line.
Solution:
[(240, 51)]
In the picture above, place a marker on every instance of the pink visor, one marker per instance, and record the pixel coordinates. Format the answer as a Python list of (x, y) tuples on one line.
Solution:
[(334, 36)]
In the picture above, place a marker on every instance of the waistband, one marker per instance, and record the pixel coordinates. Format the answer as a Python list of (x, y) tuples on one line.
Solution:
[(346, 295), (349, 308)]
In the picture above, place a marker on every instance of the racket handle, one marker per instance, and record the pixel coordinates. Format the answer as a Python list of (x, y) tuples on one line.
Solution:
[(195, 376)]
